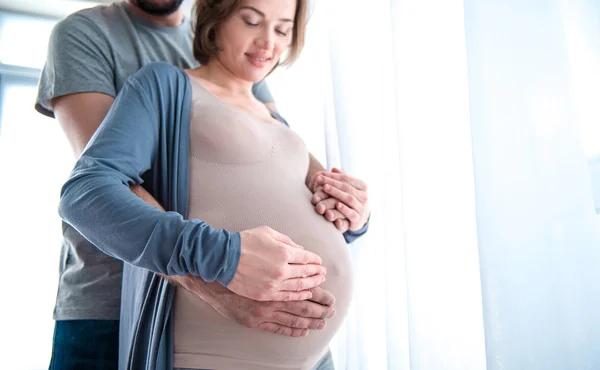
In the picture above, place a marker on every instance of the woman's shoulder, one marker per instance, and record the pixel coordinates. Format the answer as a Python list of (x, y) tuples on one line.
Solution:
[(161, 82), (161, 73)]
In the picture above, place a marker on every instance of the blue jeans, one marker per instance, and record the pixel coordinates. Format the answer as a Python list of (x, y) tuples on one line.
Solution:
[(85, 345), (326, 363)]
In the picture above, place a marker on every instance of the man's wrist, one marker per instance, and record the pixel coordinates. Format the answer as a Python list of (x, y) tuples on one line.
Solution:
[(208, 292), (351, 236), (212, 293)]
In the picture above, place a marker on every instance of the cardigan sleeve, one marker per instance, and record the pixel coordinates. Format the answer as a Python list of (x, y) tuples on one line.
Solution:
[(96, 199)]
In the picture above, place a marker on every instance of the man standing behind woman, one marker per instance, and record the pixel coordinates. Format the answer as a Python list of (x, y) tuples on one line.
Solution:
[(91, 54)]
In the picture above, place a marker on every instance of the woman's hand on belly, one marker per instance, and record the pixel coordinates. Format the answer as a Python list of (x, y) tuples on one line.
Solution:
[(274, 268), (291, 318)]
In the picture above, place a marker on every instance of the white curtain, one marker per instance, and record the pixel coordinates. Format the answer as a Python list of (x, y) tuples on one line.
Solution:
[(475, 124), (539, 241)]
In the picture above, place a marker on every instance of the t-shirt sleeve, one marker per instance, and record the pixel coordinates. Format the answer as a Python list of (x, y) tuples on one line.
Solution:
[(79, 60), (262, 93)]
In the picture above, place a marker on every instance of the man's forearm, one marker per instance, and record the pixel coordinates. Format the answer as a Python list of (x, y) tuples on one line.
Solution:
[(145, 196), (205, 291)]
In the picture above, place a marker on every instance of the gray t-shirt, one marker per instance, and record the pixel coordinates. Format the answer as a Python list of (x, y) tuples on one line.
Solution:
[(96, 50)]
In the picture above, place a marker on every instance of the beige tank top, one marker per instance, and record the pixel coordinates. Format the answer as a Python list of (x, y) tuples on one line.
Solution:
[(245, 173)]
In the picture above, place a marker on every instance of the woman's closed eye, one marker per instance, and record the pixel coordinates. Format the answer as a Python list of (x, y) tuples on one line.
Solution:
[(251, 24), (278, 31)]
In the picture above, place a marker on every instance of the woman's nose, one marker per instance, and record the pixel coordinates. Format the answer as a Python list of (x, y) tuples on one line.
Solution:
[(266, 40)]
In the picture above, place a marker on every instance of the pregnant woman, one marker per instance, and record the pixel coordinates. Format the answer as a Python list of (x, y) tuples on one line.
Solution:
[(233, 177)]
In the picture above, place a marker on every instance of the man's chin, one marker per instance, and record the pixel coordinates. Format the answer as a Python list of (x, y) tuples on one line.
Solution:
[(157, 8)]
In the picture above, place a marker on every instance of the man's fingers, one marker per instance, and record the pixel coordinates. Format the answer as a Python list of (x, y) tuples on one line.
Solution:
[(282, 330), (302, 271), (309, 309), (286, 296), (297, 322), (302, 284), (322, 297)]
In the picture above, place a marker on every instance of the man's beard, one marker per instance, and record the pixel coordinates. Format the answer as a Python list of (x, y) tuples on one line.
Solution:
[(158, 8)]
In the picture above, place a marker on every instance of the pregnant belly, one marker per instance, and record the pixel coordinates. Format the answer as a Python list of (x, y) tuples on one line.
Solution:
[(206, 339)]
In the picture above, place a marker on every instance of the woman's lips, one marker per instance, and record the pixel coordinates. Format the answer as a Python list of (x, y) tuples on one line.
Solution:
[(257, 60)]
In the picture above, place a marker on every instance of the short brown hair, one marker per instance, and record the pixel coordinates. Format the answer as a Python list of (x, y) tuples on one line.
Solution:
[(210, 14)]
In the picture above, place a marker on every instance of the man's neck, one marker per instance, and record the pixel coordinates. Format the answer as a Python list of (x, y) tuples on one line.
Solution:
[(171, 20)]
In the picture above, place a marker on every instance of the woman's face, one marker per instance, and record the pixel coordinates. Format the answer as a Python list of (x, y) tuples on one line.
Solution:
[(252, 40)]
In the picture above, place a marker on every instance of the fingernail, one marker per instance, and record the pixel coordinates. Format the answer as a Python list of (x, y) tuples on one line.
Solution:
[(321, 325), (340, 205), (317, 199), (332, 314), (327, 187)]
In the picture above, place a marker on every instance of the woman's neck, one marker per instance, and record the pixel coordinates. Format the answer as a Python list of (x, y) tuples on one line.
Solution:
[(215, 73)]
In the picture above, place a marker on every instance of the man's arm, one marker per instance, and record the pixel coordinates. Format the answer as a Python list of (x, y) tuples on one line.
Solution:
[(79, 116), (87, 67)]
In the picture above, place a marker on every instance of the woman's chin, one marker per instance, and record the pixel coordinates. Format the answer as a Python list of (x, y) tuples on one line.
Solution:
[(256, 76)]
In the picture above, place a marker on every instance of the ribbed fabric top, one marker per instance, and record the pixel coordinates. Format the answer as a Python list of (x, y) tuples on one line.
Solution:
[(245, 173)]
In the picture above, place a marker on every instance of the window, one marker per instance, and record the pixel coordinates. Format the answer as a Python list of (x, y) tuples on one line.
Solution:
[(17, 31), (583, 43), (35, 159)]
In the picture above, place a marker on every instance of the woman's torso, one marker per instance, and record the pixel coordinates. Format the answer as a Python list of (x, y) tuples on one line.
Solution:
[(245, 173)]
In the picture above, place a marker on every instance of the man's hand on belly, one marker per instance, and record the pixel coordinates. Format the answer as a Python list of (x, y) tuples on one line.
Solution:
[(291, 318)]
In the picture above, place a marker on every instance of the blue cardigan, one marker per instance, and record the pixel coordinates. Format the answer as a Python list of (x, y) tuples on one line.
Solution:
[(145, 139)]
